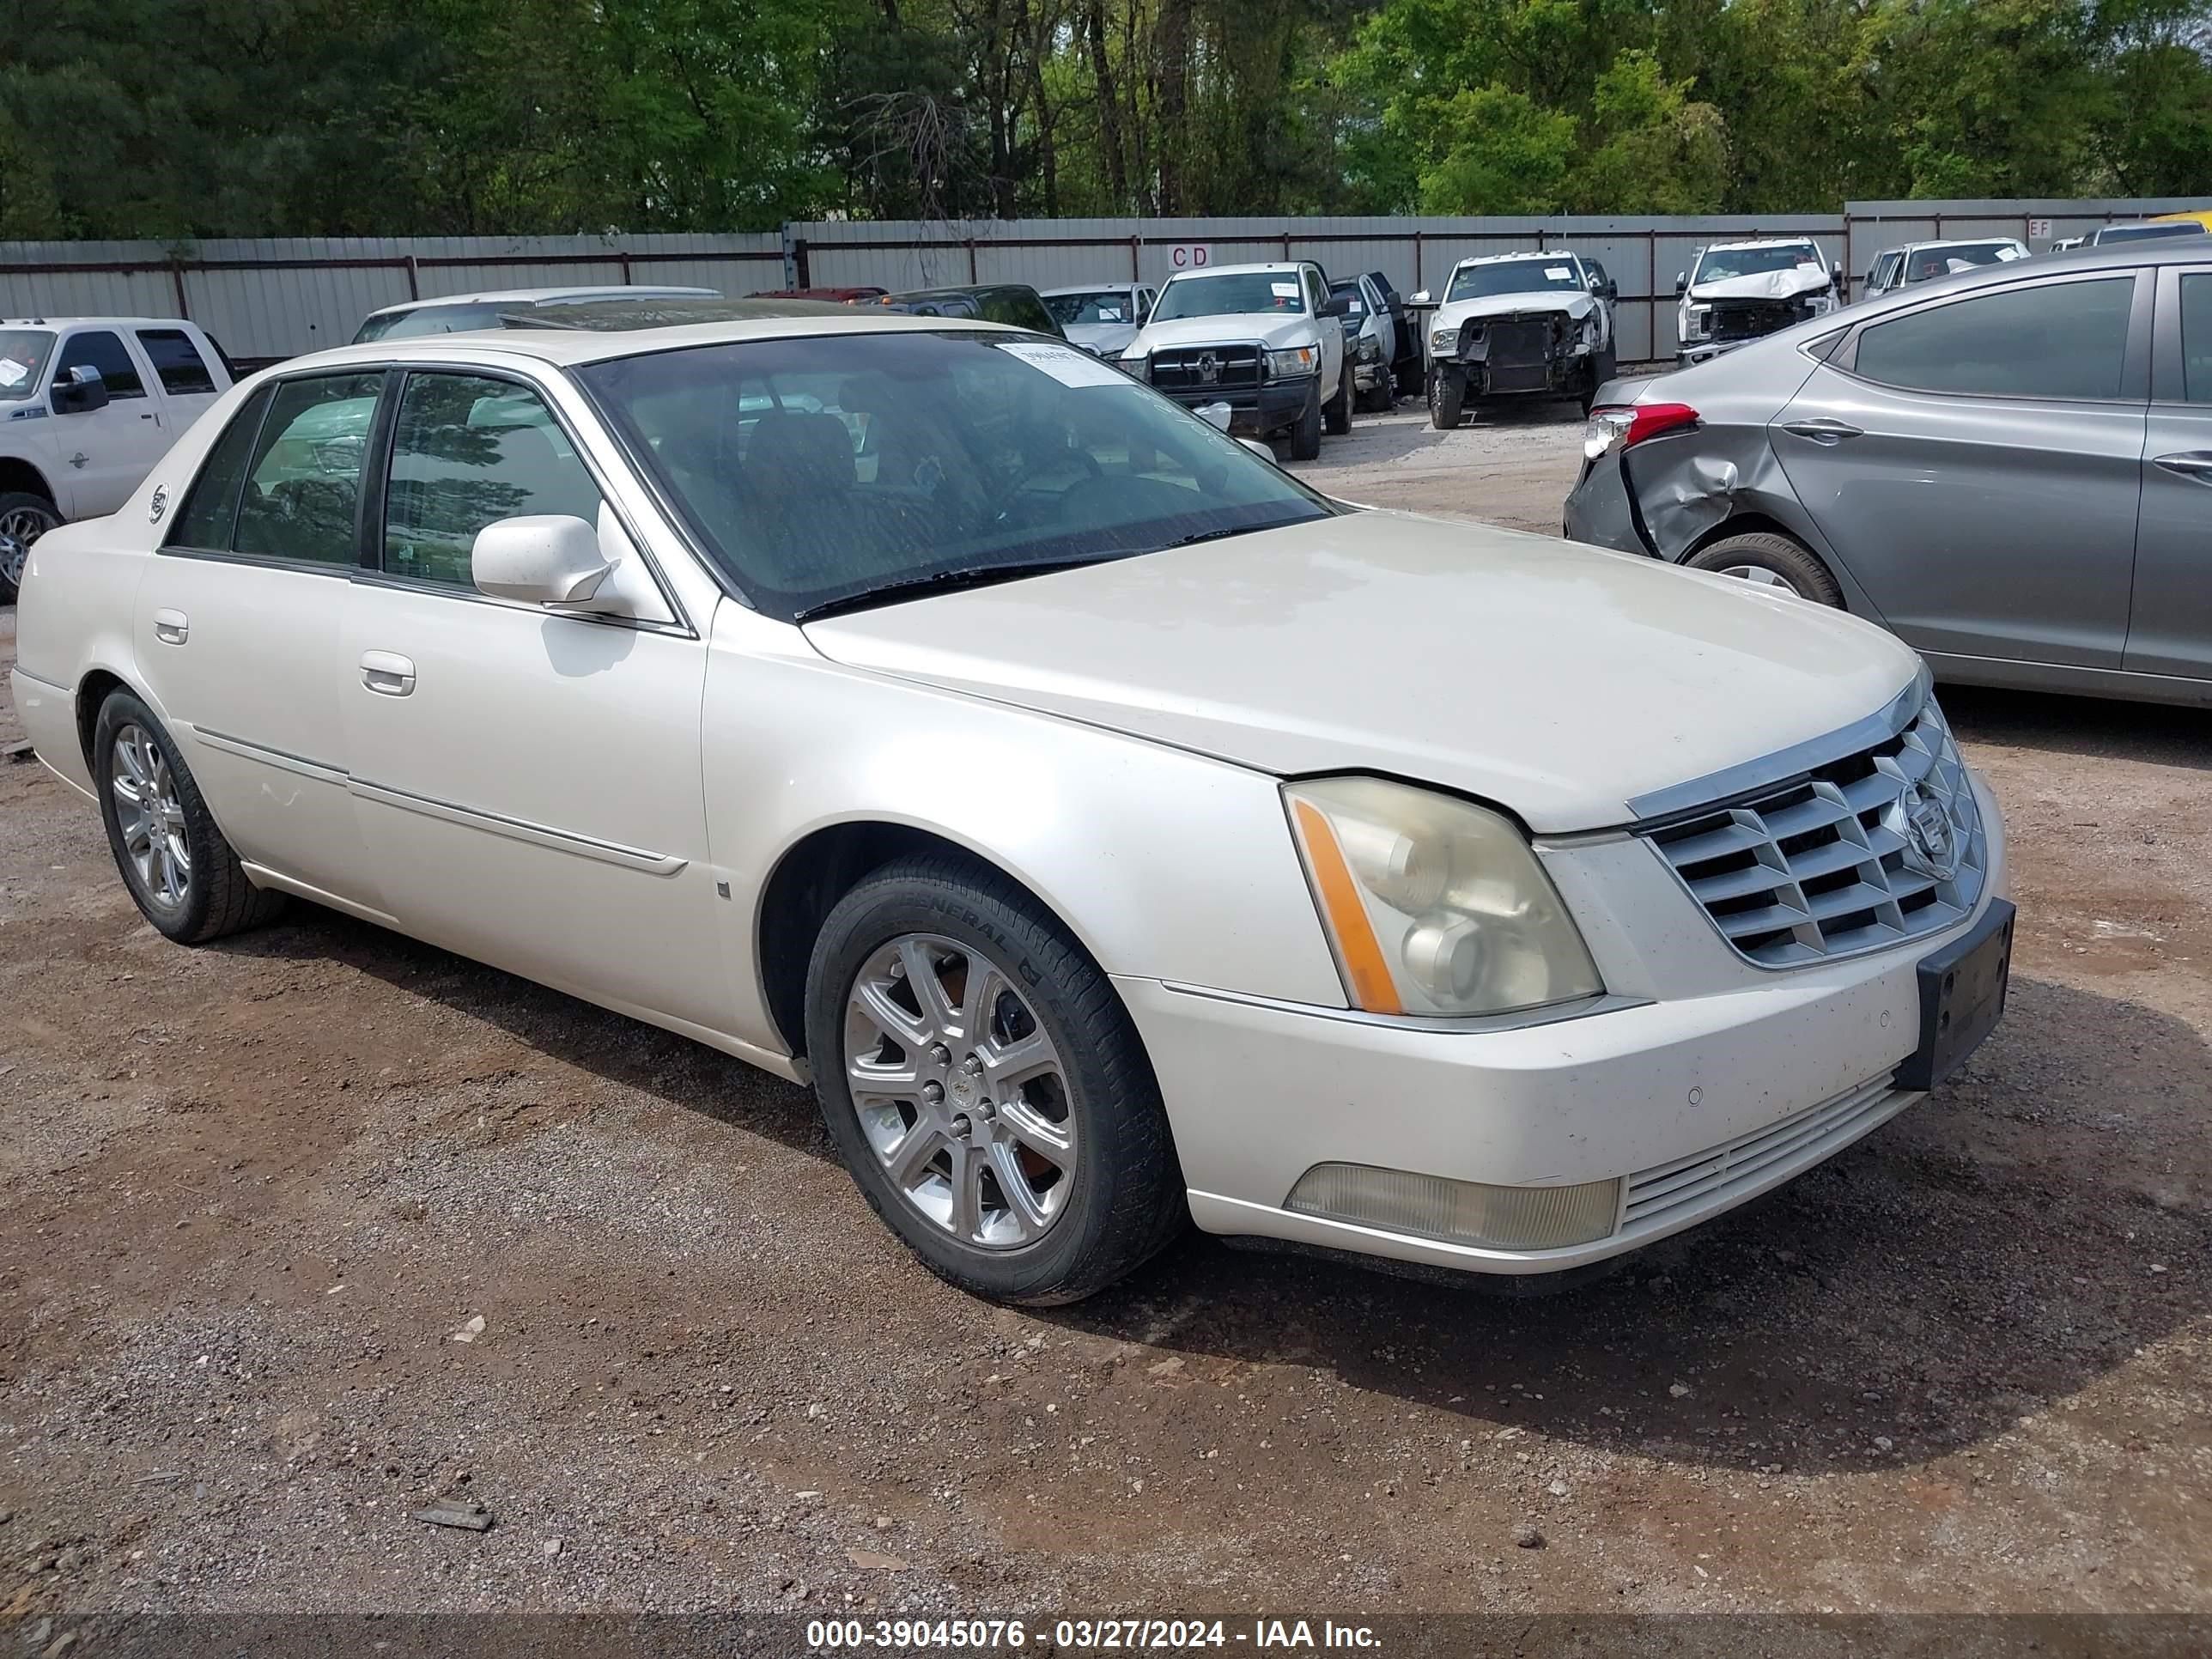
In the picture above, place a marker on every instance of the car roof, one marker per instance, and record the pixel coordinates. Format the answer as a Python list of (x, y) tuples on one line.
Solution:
[(1953, 241), (629, 315), (1263, 268), (524, 296), (1091, 288), (1764, 241), (563, 348), (103, 322), (1518, 254)]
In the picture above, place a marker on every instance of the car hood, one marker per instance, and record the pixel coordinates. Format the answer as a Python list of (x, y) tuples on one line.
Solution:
[(1766, 285), (1267, 327), (1557, 680), (1576, 305), (1108, 337)]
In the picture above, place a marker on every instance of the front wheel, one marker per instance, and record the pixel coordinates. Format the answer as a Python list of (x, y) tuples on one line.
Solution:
[(986, 1087), (1305, 436), (1447, 397), (181, 873)]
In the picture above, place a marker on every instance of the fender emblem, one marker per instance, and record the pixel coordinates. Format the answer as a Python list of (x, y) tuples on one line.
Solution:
[(158, 504)]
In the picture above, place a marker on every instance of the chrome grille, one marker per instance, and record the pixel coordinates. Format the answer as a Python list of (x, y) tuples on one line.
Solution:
[(1807, 1137), (1833, 862)]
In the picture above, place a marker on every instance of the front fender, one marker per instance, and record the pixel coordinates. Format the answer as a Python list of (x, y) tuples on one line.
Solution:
[(1166, 865)]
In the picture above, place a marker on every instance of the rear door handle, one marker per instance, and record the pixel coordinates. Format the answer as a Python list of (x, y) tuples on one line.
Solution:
[(387, 673), (1823, 430), (172, 627), (2198, 465)]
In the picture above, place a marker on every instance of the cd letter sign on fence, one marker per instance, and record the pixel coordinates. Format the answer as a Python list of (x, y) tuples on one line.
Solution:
[(1189, 256)]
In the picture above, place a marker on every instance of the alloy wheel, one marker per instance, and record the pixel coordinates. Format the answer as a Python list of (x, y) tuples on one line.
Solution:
[(151, 817), (961, 1093), (19, 527)]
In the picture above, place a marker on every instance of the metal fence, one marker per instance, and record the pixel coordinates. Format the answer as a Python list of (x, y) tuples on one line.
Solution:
[(266, 300)]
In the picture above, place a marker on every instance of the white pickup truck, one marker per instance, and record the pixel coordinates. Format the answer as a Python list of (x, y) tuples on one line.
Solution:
[(88, 404)]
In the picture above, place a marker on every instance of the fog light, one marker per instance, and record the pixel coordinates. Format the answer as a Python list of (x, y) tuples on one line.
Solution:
[(1460, 1212)]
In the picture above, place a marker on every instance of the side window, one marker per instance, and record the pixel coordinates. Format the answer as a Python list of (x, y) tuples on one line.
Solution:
[(2196, 336), (1316, 290), (209, 513), (303, 486), (176, 360), (467, 452), (2056, 340), (99, 349)]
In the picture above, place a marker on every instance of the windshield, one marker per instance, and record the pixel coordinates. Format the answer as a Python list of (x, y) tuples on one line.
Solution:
[(1231, 294), (818, 471), (1932, 262), (1513, 276), (1104, 307), (23, 361), (1721, 263), (2112, 233)]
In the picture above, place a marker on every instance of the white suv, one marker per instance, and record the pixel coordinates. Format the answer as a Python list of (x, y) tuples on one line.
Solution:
[(1263, 339)]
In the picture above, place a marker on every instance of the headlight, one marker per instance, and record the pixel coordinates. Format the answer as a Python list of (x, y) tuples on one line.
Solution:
[(1293, 361), (1443, 339), (1136, 363), (1434, 906), (1370, 348), (1697, 322)]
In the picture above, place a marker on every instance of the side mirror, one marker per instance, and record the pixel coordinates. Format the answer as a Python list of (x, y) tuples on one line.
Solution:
[(81, 392), (1259, 446), (1420, 297), (541, 559), (1217, 415), (1836, 270), (1681, 281), (1337, 304)]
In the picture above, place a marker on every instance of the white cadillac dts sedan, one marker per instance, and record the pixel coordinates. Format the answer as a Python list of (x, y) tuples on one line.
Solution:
[(1113, 829)]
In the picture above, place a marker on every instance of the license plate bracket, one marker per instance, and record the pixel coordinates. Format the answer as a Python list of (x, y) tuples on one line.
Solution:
[(1962, 996)]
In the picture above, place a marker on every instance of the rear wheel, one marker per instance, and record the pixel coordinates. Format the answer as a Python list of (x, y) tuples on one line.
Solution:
[(986, 1086), (1380, 400), (1337, 416), (182, 873), (1305, 436), (1447, 397), (1771, 561), (24, 516)]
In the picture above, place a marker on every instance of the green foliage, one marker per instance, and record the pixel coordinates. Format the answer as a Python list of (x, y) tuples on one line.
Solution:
[(182, 119)]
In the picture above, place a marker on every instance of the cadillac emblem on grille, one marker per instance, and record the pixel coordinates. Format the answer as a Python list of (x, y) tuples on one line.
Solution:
[(1209, 369), (1925, 828)]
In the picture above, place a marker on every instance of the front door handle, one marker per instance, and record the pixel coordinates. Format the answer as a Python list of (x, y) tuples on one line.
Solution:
[(1824, 430), (172, 627), (2198, 465), (387, 673)]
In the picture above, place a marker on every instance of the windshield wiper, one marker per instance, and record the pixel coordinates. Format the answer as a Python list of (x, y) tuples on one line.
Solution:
[(942, 581)]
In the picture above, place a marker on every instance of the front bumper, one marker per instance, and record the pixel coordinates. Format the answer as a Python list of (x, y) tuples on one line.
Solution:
[(1269, 407), (1694, 1100)]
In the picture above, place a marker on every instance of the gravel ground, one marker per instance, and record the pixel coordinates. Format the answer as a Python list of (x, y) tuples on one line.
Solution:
[(302, 1232)]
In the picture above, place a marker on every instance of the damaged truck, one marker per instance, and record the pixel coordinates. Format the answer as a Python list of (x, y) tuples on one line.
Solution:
[(1519, 325), (1739, 292)]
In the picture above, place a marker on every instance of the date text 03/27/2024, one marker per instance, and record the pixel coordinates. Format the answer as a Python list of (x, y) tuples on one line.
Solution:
[(1087, 1634)]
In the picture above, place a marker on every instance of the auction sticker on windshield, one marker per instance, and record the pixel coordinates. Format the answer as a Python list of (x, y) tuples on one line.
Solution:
[(1283, 290), (13, 373), (1064, 363), (1559, 273)]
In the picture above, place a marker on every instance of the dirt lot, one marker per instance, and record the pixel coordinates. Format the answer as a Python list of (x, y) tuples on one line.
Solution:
[(251, 1198)]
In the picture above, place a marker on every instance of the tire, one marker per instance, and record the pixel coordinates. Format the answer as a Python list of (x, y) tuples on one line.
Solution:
[(1602, 369), (24, 516), (1305, 436), (1118, 1197), (1337, 415), (212, 896), (1381, 400), (1447, 399), (1773, 560)]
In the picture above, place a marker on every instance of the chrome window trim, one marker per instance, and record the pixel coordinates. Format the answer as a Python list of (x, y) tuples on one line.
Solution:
[(1717, 789)]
